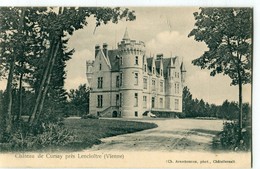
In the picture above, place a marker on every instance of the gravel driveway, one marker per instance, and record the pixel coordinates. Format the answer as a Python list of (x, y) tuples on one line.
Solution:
[(170, 135)]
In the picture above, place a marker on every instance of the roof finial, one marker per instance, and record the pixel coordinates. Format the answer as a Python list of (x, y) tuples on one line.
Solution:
[(126, 36)]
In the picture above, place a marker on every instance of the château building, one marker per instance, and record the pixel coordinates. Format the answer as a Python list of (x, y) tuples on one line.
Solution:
[(125, 82)]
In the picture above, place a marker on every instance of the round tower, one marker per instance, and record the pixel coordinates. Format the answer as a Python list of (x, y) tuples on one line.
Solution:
[(131, 72)]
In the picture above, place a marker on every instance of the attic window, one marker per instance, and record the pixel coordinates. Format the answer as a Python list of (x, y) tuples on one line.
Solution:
[(153, 70), (161, 72), (100, 66)]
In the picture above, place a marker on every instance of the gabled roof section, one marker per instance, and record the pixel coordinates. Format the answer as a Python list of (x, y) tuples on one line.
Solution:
[(183, 69), (174, 60), (100, 53), (114, 60)]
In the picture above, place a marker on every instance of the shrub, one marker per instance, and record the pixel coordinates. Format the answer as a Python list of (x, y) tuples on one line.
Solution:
[(48, 134), (229, 137), (90, 116)]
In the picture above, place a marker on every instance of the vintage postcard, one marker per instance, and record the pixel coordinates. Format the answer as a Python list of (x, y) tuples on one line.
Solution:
[(126, 87)]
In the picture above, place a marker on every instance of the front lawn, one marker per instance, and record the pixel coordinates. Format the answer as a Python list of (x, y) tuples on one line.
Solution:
[(89, 131)]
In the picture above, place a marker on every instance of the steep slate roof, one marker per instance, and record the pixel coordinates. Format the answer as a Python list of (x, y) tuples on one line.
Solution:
[(114, 61), (158, 66), (166, 63), (149, 63)]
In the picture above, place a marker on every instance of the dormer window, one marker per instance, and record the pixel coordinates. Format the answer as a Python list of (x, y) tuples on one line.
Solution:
[(136, 60)]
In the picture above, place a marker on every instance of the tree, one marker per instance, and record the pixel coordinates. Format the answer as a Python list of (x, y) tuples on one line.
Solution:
[(187, 101), (16, 37), (33, 51), (79, 100), (58, 26), (227, 33)]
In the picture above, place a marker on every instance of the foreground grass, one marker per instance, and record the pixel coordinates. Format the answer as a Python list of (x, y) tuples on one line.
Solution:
[(88, 132)]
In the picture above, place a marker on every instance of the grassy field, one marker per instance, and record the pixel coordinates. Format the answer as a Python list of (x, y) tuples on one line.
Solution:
[(89, 131)]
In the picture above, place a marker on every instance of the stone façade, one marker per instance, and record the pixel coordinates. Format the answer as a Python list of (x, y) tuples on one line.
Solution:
[(125, 82)]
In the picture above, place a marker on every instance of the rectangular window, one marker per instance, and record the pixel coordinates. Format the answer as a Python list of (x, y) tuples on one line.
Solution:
[(145, 83), (144, 101), (136, 100), (100, 66), (100, 100), (176, 103), (136, 114), (117, 81), (136, 60), (117, 100), (136, 79), (145, 68), (161, 86), (153, 100), (120, 100), (177, 74), (161, 102), (161, 72), (153, 84), (153, 70), (121, 79), (100, 82), (177, 88)]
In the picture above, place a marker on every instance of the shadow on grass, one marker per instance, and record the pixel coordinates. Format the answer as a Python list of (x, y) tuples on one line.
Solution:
[(211, 132), (88, 132)]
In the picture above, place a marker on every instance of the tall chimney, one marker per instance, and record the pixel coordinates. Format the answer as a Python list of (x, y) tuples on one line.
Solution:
[(105, 50), (97, 48), (159, 56)]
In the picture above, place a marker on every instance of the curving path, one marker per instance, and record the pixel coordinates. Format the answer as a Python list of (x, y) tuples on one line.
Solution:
[(170, 135)]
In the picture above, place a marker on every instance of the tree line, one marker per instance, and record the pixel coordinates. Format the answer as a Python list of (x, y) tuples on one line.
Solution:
[(228, 110)]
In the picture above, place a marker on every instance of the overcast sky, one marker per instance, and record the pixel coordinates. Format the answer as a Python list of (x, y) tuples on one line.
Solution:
[(164, 30)]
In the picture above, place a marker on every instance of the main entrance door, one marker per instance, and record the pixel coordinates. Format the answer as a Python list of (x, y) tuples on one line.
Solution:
[(152, 102), (114, 114)]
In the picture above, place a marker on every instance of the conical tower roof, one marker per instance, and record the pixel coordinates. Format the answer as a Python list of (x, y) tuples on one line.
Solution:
[(126, 36)]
